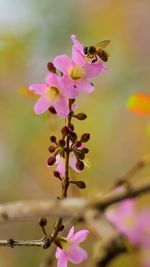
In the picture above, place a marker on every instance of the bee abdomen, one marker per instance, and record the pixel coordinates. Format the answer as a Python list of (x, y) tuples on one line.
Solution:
[(102, 54)]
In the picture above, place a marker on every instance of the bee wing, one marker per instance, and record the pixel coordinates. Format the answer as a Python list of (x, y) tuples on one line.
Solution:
[(102, 44)]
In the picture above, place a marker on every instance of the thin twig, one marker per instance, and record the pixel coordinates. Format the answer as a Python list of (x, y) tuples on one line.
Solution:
[(44, 243), (125, 177)]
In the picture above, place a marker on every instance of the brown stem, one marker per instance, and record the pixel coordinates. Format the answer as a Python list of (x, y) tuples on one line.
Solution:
[(65, 181)]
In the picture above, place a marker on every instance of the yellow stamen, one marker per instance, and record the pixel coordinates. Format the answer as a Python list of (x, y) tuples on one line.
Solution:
[(52, 93), (77, 72)]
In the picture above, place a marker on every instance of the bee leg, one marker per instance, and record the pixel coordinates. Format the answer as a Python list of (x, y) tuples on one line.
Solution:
[(95, 59)]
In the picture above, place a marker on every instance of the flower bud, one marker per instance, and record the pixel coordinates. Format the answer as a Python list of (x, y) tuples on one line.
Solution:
[(53, 139), (72, 127), (80, 116), (61, 142), (73, 136), (42, 221), (51, 149), (79, 165), (57, 174), (85, 150), (79, 154), (51, 161), (65, 131), (79, 184), (78, 144), (51, 67), (52, 110), (85, 137)]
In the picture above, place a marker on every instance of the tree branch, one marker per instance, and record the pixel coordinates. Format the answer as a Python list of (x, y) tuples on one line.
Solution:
[(25, 210)]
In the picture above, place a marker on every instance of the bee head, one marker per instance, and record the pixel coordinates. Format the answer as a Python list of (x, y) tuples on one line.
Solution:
[(92, 50), (85, 50)]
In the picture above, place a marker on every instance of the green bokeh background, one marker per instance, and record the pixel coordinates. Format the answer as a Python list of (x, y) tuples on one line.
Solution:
[(31, 34)]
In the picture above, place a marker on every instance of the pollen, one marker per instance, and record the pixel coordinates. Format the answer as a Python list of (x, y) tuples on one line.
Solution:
[(77, 72), (52, 93)]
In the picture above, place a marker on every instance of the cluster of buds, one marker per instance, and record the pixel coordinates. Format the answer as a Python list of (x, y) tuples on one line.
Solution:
[(76, 150)]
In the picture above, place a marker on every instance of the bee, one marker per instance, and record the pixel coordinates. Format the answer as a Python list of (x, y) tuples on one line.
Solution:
[(96, 51)]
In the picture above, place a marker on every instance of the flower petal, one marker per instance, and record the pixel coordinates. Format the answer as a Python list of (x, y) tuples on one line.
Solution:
[(58, 252), (60, 165), (85, 86), (61, 106), (69, 90), (79, 236), (76, 254), (62, 261), (71, 233), (41, 105), (93, 70), (63, 63), (53, 80), (77, 51), (72, 162), (38, 88)]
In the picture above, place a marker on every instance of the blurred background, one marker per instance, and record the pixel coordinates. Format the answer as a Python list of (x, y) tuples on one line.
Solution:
[(31, 34)]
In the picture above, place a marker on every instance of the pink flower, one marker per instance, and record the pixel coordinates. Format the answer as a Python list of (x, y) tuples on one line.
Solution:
[(76, 70), (52, 93), (125, 219), (70, 248), (60, 161)]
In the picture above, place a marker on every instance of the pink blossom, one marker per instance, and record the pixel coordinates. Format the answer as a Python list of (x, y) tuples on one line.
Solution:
[(52, 93), (60, 161), (125, 219), (76, 70), (70, 248)]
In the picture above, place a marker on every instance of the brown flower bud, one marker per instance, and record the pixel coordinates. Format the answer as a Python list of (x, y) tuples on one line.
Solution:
[(42, 221), (79, 165), (72, 127), (85, 150), (79, 184), (52, 110), (80, 116), (51, 149), (85, 137), (51, 67), (78, 144), (65, 131), (53, 139), (61, 142), (73, 136), (79, 154), (51, 161), (57, 174)]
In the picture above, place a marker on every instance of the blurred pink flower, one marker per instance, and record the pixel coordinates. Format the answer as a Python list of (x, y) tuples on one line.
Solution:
[(52, 93), (144, 228), (125, 219), (76, 70), (70, 248)]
